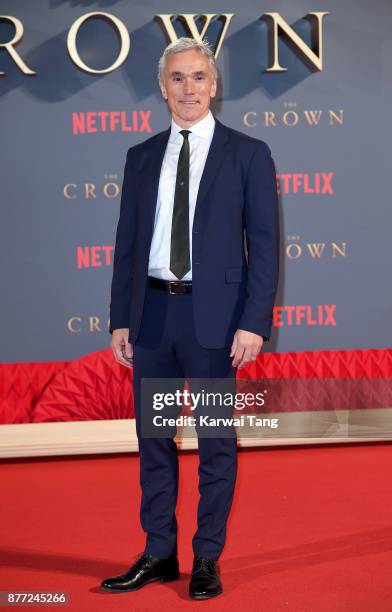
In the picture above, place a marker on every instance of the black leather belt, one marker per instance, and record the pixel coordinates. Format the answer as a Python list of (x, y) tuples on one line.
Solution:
[(170, 286)]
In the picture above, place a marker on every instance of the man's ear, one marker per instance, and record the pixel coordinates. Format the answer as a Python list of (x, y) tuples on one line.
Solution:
[(213, 88), (163, 89)]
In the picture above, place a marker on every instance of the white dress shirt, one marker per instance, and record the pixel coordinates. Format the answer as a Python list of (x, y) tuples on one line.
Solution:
[(199, 144)]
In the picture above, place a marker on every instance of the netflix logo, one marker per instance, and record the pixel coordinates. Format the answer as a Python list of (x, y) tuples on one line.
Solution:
[(320, 314), (306, 183), (97, 256), (111, 121)]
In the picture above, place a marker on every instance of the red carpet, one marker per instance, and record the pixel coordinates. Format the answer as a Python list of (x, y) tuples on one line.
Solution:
[(310, 529)]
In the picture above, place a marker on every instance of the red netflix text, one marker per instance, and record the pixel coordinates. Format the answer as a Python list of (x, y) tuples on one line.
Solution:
[(319, 314), (111, 121), (317, 183), (94, 256)]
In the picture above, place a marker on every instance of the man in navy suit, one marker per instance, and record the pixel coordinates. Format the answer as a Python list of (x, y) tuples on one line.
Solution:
[(194, 281)]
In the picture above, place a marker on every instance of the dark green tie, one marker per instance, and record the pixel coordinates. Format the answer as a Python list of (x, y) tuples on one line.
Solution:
[(180, 262)]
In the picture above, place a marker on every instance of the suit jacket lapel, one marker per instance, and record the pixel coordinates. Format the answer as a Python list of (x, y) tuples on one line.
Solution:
[(153, 172), (214, 160)]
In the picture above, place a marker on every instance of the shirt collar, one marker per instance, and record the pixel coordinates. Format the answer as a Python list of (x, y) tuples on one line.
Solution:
[(202, 129)]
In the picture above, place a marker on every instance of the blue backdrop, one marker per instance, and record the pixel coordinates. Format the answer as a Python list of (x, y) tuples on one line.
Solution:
[(65, 133)]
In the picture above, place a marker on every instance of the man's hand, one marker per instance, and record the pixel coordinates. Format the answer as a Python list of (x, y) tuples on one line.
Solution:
[(246, 346), (122, 349)]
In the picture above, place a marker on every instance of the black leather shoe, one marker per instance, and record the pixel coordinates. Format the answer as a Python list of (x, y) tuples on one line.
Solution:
[(145, 570), (205, 581)]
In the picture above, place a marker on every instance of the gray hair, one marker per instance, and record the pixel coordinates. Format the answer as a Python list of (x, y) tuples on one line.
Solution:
[(185, 44)]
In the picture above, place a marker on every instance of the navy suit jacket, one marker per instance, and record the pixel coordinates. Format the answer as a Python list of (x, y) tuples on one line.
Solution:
[(235, 238)]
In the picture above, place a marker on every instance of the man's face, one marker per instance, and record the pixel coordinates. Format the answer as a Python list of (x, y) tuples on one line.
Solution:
[(188, 86)]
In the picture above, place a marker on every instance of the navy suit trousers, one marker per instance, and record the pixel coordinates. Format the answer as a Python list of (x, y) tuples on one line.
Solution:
[(167, 348)]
